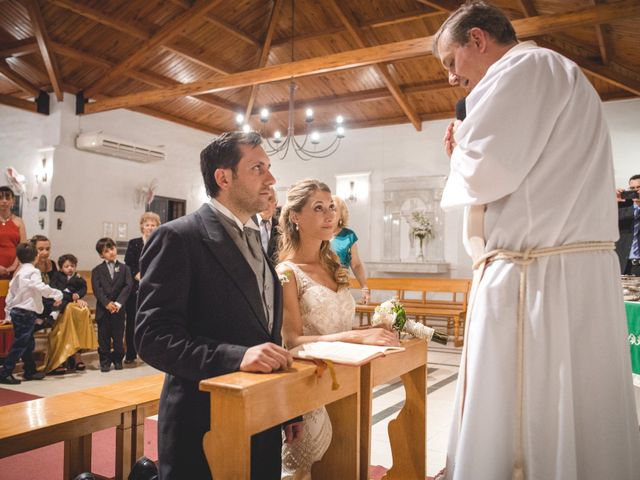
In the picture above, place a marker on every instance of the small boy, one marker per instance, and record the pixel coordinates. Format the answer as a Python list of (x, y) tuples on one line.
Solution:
[(72, 285), (24, 302), (112, 283)]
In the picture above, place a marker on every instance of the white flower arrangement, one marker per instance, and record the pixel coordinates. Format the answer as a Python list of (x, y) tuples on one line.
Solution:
[(421, 227)]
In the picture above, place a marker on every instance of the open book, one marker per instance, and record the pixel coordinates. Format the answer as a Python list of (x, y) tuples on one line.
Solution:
[(342, 352)]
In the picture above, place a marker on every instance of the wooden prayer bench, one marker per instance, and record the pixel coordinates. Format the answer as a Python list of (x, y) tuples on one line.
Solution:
[(422, 305), (73, 417)]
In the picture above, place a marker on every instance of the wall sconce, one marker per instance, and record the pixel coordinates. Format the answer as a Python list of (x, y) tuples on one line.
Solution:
[(41, 223), (59, 224), (352, 198), (41, 174)]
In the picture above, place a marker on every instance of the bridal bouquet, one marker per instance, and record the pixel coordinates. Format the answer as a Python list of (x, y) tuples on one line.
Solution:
[(392, 316)]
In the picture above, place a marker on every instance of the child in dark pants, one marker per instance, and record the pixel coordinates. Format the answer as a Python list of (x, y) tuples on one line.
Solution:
[(112, 283), (24, 302)]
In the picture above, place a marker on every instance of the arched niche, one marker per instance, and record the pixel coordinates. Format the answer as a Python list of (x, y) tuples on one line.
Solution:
[(402, 197)]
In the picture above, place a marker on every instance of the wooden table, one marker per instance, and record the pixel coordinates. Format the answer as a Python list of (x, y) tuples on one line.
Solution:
[(243, 404), (408, 432), (70, 417)]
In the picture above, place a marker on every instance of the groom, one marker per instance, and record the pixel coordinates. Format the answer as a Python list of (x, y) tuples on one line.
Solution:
[(209, 304)]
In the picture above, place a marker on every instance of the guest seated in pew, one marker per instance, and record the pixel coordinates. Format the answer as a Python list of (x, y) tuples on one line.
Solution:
[(24, 302), (317, 303), (344, 244), (73, 330), (210, 304)]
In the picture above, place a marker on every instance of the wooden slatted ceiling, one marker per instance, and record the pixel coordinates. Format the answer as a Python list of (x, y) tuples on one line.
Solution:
[(89, 37)]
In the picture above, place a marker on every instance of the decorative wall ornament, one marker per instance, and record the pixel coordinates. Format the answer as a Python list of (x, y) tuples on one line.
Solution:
[(59, 204), (42, 203)]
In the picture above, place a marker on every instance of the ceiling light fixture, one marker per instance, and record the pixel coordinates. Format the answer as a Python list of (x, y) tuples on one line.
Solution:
[(309, 148)]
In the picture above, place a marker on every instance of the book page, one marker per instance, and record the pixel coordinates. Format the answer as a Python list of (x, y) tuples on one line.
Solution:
[(342, 352)]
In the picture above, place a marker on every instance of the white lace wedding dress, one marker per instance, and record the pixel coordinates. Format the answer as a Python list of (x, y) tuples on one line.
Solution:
[(323, 311)]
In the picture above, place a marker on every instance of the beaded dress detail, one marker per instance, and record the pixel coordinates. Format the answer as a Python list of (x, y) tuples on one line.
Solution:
[(322, 311)]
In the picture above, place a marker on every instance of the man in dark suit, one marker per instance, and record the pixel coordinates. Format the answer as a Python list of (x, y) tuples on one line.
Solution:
[(267, 221), (112, 283), (628, 245), (210, 303)]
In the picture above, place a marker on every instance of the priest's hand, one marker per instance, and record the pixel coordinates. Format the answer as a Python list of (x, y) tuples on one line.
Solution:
[(265, 358), (293, 431), (449, 140)]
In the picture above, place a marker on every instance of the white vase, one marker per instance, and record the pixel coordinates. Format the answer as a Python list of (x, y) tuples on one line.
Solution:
[(420, 257)]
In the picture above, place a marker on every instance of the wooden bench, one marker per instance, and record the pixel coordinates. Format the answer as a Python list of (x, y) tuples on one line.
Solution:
[(423, 298), (73, 417)]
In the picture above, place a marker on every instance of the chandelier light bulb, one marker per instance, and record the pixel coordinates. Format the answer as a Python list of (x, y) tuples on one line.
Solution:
[(339, 119), (246, 128), (264, 115), (239, 119), (340, 132), (309, 115), (277, 136), (315, 138)]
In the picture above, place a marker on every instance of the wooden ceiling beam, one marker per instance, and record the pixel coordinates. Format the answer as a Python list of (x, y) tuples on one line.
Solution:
[(370, 25), (152, 79), (528, 8), (40, 32), (102, 18), (264, 55), (172, 118), (603, 40), (197, 59), (350, 24), (181, 24), (20, 82), (221, 24), (232, 30), (355, 97), (389, 52), (18, 103), (442, 5), (19, 48)]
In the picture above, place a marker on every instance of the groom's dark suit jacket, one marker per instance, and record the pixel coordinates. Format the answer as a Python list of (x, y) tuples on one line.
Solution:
[(199, 309)]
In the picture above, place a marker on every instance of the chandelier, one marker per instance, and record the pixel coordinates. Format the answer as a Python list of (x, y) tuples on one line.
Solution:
[(309, 148)]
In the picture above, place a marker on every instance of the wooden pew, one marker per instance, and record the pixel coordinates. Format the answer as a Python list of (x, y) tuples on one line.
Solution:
[(243, 404), (423, 305), (71, 418)]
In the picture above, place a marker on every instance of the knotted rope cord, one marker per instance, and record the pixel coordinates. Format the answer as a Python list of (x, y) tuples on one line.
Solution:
[(524, 259)]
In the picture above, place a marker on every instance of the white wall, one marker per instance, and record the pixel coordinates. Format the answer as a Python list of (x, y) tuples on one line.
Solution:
[(96, 188), (99, 188)]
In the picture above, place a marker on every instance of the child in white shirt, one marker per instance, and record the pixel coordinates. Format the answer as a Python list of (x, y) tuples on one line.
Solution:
[(24, 302)]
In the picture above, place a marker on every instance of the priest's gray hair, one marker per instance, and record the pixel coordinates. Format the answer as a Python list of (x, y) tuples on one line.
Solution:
[(478, 14)]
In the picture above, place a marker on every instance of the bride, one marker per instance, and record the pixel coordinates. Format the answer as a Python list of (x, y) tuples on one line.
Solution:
[(318, 305)]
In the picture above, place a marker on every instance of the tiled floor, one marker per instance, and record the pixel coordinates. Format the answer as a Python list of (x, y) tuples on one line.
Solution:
[(441, 384)]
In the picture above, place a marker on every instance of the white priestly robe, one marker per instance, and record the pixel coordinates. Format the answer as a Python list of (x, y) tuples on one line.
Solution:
[(535, 149)]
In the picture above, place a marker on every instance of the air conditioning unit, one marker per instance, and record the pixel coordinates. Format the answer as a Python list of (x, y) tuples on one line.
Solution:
[(98, 142)]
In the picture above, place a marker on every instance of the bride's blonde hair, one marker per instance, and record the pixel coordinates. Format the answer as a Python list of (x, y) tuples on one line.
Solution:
[(297, 197)]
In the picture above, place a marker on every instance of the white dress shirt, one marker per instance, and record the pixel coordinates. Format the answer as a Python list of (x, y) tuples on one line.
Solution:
[(27, 289)]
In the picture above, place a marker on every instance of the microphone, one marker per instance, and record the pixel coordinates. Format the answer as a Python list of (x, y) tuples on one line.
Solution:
[(461, 109)]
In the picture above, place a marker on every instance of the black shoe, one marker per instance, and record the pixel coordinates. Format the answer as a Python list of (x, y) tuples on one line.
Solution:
[(105, 368), (33, 376), (10, 380), (129, 360), (118, 365)]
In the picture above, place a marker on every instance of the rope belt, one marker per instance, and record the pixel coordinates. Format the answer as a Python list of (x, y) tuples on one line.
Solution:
[(524, 259)]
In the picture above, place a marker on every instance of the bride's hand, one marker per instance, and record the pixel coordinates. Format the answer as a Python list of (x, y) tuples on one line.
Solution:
[(377, 336)]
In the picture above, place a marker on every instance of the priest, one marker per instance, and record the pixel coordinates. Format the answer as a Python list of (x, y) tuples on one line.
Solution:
[(545, 390)]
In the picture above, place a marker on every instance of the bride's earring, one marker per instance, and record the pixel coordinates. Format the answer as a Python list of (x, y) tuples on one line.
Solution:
[(297, 227)]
